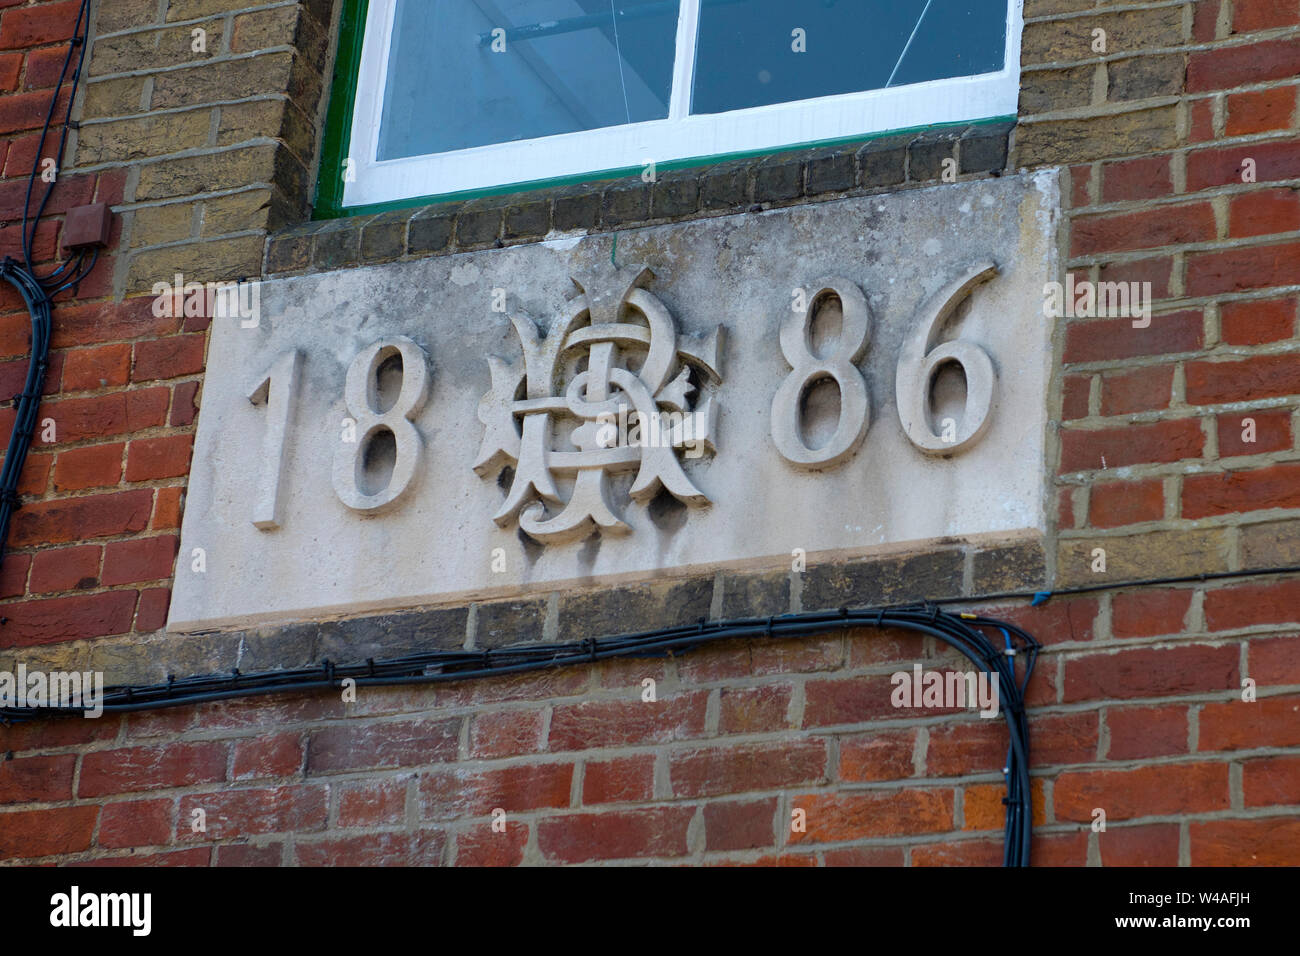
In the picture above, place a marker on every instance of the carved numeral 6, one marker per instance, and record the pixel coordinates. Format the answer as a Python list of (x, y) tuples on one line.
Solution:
[(808, 369), (361, 395), (920, 360)]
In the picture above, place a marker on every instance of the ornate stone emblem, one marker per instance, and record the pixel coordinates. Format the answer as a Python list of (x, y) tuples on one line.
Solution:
[(573, 412)]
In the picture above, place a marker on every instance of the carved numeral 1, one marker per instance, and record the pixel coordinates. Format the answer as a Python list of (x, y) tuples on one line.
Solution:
[(276, 390)]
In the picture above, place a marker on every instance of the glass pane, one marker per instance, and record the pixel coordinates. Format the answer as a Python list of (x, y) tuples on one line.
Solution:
[(747, 49), (465, 73)]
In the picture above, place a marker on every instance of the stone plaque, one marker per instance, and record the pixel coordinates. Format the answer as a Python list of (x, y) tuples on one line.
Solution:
[(819, 382)]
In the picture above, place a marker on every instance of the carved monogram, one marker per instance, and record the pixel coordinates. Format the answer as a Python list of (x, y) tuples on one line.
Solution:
[(612, 319)]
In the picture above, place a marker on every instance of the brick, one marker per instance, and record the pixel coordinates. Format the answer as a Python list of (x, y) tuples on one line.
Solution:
[(1152, 845), (737, 769), (1145, 178), (965, 853), (464, 792), (13, 575), (1074, 396), (1165, 789), (152, 612), (167, 509), (148, 459), (1274, 781), (1140, 733), (958, 749), (739, 825), (983, 809), (1147, 76), (1201, 121), (1149, 612), (242, 854), (484, 846), (1248, 16), (1270, 841), (159, 767), (753, 709), (1257, 322), (1106, 136), (95, 368), (37, 833), (136, 823), (1264, 212), (1277, 486), (185, 406), (36, 779), (1137, 390), (168, 357), (1275, 661), (865, 856), (1264, 376), (103, 416), (613, 723), (506, 733), (1242, 65), (619, 780), (1165, 441), (853, 701), (1098, 340), (1260, 111), (65, 569), (863, 814), (235, 813), (883, 755), (1247, 725), (370, 803), (1165, 225), (1152, 672), (1060, 619), (1247, 605), (629, 834), (1225, 165), (1271, 432), (141, 559), (1157, 271), (1117, 503), (31, 26), (276, 755), (69, 618), (403, 743)]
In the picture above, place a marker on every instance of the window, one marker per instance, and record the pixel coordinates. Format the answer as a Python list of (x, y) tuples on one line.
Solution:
[(459, 95)]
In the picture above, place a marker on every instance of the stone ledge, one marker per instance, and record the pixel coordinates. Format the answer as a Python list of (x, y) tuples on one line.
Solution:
[(883, 164), (593, 612)]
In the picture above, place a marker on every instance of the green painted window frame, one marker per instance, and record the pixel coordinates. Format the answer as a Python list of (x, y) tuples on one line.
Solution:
[(335, 141)]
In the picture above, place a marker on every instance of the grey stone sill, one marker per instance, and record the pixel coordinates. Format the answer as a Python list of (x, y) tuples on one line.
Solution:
[(881, 165), (940, 571)]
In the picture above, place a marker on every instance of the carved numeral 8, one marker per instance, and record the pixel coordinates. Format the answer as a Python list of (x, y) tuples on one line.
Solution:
[(361, 395), (808, 369)]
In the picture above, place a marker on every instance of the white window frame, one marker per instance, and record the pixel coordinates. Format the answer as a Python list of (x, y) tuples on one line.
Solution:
[(680, 136)]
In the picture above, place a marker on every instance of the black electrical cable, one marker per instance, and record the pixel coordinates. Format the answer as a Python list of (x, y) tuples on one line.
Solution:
[(38, 291), (963, 632)]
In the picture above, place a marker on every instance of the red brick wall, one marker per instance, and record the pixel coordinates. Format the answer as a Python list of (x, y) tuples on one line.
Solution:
[(1136, 708)]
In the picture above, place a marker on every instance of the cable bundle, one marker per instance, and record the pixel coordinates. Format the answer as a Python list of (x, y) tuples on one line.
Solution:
[(965, 632), (38, 291)]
